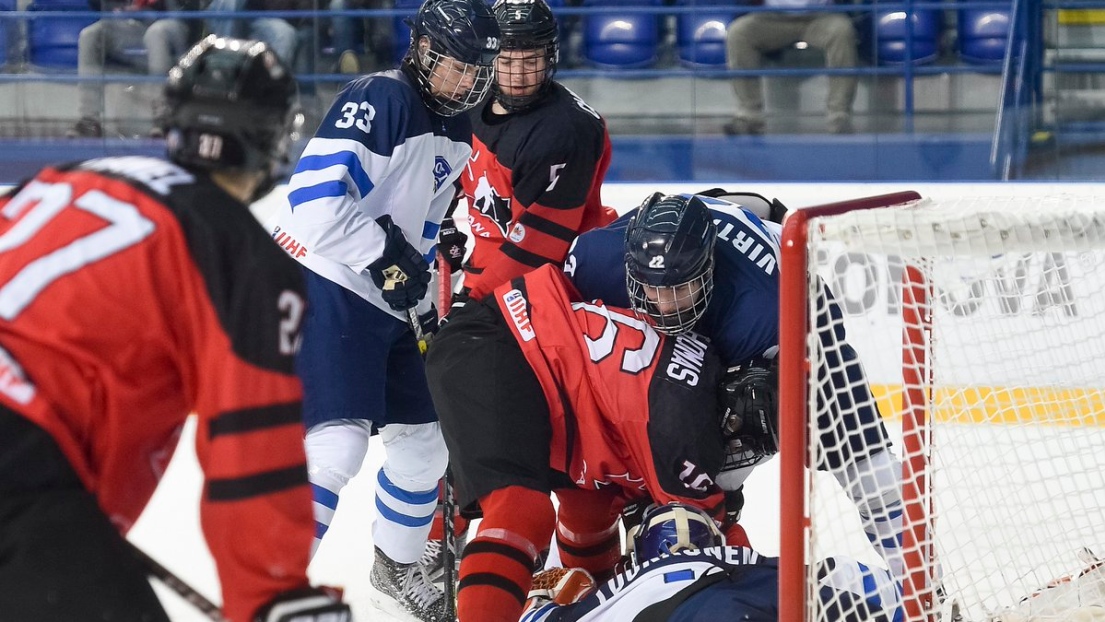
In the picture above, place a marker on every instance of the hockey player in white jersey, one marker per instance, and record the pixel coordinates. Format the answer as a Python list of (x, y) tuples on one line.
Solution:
[(680, 572), (365, 205)]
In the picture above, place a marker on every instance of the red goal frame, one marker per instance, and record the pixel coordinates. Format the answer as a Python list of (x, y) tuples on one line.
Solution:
[(794, 369)]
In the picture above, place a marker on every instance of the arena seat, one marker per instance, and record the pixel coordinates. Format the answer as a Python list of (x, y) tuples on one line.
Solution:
[(700, 35), (628, 40), (402, 39), (5, 24), (52, 41), (890, 32), (983, 35)]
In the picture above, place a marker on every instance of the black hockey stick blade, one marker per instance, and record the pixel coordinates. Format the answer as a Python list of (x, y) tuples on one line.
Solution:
[(176, 584)]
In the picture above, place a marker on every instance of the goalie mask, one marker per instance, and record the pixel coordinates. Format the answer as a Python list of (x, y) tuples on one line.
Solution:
[(452, 53), (671, 528), (669, 260), (531, 49), (232, 105), (749, 414)]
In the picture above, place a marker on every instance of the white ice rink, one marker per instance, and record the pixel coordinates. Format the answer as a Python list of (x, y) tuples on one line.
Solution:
[(169, 529)]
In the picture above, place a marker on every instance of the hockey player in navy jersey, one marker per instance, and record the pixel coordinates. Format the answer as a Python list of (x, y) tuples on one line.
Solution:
[(539, 156), (702, 262), (365, 204), (679, 571)]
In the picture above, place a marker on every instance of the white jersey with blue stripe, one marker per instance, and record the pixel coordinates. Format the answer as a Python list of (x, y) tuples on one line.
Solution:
[(631, 592), (379, 151)]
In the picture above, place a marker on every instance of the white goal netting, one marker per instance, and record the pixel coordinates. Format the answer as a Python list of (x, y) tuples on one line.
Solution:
[(988, 370)]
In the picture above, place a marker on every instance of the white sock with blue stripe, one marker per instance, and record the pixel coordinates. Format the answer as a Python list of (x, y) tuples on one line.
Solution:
[(335, 451), (403, 519), (875, 486)]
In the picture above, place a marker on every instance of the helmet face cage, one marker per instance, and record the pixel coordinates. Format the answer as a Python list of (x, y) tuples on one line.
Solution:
[(450, 86), (232, 105), (453, 48), (671, 528), (673, 309), (669, 256), (531, 45)]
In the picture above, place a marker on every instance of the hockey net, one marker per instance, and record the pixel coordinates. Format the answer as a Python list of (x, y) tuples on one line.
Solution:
[(980, 324)]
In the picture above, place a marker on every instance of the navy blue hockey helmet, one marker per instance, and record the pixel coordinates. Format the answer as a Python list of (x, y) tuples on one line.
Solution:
[(669, 260), (453, 48), (667, 529), (232, 105), (531, 40)]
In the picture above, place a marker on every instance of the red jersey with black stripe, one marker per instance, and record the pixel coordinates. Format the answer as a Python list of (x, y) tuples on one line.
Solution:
[(630, 407), (533, 183), (132, 293)]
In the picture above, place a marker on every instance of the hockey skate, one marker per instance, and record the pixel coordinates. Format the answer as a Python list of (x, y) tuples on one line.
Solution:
[(409, 586), (432, 562)]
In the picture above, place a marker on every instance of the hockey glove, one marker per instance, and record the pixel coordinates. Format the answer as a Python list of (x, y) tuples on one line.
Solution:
[(750, 414), (401, 273), (451, 243), (562, 586), (306, 605)]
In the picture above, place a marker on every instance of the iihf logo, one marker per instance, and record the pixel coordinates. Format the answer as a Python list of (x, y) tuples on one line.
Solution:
[(441, 172)]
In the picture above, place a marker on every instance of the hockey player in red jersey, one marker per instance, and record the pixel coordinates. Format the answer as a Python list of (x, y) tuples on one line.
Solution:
[(539, 155), (537, 392), (134, 291)]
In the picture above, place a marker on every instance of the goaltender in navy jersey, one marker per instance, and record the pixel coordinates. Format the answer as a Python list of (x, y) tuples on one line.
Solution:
[(533, 183), (379, 152), (742, 319), (135, 292), (725, 583)]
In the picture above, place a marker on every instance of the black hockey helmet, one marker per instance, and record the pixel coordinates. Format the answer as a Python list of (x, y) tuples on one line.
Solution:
[(232, 105), (527, 25), (452, 52), (669, 260)]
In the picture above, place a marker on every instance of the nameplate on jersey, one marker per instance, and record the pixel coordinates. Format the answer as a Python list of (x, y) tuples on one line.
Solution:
[(687, 357), (158, 174), (515, 304)]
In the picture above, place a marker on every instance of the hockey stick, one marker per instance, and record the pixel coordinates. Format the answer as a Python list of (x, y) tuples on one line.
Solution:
[(176, 584), (448, 502)]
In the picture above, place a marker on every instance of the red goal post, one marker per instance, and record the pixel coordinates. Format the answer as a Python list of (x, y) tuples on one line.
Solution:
[(954, 292)]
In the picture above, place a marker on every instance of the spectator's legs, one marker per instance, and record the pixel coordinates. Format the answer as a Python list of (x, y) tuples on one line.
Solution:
[(747, 39), (278, 33), (166, 40), (341, 29), (226, 26), (833, 33), (97, 43)]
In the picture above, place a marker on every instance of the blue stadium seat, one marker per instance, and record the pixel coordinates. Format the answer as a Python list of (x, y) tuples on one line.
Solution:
[(5, 24), (52, 41), (626, 40), (890, 36), (700, 36), (402, 39), (983, 34)]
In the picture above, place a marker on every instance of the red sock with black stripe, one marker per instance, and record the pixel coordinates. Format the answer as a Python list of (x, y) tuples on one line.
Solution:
[(587, 534), (497, 566)]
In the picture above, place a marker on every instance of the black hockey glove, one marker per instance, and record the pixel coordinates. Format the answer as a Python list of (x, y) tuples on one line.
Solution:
[(306, 605), (401, 273), (451, 243), (750, 414)]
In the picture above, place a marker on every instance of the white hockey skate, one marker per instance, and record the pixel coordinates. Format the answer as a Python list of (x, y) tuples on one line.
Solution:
[(410, 587)]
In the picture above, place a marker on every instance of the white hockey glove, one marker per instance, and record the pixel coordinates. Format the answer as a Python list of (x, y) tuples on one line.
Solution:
[(311, 604)]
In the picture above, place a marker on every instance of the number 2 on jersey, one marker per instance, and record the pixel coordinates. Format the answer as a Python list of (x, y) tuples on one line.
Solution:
[(35, 207)]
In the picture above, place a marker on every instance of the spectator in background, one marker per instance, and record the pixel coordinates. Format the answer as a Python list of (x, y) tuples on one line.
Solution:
[(280, 33), (753, 34), (115, 40), (377, 34)]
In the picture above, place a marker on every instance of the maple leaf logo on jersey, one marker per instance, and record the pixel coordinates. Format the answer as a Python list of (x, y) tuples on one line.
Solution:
[(491, 205)]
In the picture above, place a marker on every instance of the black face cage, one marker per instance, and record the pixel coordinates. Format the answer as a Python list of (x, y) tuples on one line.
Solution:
[(690, 300), (518, 103), (462, 85)]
